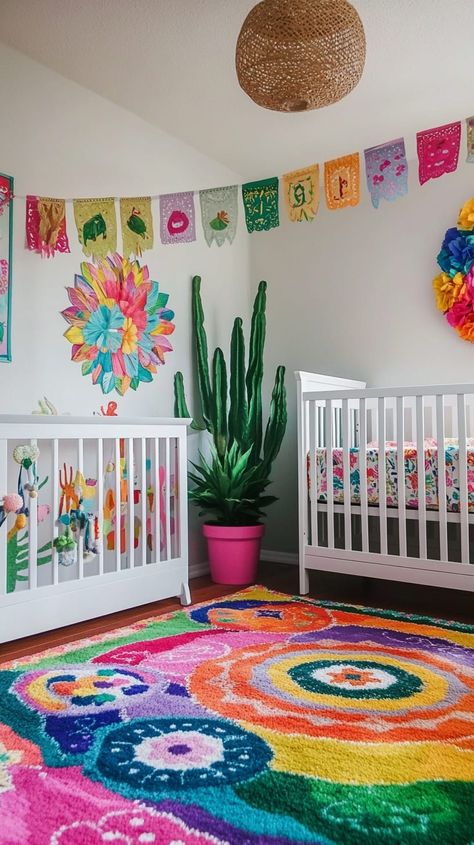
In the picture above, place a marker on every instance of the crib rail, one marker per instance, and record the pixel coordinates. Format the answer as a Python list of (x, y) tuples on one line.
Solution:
[(129, 522), (365, 440)]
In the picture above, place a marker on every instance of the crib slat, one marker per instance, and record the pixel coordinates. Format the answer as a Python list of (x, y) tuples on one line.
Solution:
[(4, 527), (346, 465), (421, 473), (100, 501), (329, 473), (167, 499), (463, 493), (80, 544), (313, 499), (364, 511), (442, 503), (157, 499), (33, 543), (55, 508), (32, 538), (402, 525), (130, 504), (305, 447), (118, 506), (382, 475), (181, 517), (143, 499)]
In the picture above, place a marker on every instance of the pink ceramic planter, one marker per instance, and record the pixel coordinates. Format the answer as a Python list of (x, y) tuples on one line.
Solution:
[(234, 552)]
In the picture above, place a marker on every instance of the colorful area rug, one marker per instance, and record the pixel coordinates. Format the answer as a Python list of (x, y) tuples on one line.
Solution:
[(257, 719)]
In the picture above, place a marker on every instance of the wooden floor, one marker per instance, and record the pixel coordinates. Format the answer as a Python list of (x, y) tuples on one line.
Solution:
[(432, 601)]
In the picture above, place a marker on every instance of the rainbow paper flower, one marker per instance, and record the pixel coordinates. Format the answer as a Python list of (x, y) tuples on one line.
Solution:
[(457, 252), (466, 216), (119, 323), (454, 286)]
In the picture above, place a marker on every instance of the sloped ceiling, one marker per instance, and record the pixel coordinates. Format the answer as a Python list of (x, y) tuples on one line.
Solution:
[(172, 63)]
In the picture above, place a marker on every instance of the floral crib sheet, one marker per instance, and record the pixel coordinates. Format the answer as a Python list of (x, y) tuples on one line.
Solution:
[(410, 471)]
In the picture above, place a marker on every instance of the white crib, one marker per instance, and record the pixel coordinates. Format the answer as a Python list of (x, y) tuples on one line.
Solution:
[(424, 540), (134, 480)]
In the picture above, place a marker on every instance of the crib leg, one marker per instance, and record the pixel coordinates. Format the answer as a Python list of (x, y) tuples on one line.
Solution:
[(185, 595), (304, 582)]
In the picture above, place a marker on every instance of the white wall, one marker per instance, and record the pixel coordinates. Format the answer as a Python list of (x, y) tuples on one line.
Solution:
[(350, 295), (59, 139)]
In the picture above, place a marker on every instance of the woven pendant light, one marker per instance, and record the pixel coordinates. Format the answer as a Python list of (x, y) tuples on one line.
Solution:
[(296, 55)]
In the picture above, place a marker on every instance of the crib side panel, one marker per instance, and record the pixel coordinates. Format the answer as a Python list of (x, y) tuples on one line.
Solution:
[(102, 523), (390, 482)]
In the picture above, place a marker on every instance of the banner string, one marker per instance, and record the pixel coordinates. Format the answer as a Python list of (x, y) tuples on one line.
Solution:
[(153, 196)]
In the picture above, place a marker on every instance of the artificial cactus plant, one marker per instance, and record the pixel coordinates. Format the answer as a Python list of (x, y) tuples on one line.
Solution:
[(231, 487)]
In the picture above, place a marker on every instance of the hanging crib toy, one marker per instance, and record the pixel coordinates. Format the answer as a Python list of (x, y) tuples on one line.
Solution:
[(10, 503), (26, 456), (66, 548), (75, 520)]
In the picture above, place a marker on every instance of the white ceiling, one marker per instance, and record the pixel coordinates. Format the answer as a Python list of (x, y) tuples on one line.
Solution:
[(172, 63)]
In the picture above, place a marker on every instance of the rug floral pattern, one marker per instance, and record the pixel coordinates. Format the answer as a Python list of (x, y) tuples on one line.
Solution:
[(258, 719)]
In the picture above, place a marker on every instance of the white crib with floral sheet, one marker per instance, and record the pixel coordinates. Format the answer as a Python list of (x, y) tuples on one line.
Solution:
[(364, 508), (102, 522)]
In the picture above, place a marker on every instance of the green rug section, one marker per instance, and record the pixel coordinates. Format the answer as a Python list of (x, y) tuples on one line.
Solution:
[(434, 813)]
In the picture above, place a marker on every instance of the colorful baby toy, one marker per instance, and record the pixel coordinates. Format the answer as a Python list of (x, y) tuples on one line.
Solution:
[(26, 456), (74, 489), (66, 548), (10, 503)]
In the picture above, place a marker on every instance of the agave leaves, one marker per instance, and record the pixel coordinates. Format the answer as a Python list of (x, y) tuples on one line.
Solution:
[(230, 490), (231, 487)]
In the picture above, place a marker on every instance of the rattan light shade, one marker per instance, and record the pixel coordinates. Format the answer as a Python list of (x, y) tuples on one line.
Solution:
[(294, 55)]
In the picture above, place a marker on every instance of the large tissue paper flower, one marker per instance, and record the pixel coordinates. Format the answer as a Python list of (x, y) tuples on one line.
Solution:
[(454, 286), (447, 289), (457, 252), (466, 216), (119, 323)]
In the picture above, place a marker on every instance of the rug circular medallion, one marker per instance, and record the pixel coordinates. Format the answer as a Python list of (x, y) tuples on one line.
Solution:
[(357, 679), (84, 689), (330, 690), (152, 756), (278, 617)]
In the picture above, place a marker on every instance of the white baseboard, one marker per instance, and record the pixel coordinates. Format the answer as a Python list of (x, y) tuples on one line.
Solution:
[(279, 557), (202, 568), (198, 569)]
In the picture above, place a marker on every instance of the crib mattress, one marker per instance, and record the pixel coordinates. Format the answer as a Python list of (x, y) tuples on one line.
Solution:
[(391, 467)]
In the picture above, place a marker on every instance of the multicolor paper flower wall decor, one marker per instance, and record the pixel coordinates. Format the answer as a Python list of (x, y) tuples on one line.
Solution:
[(119, 323), (454, 286)]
